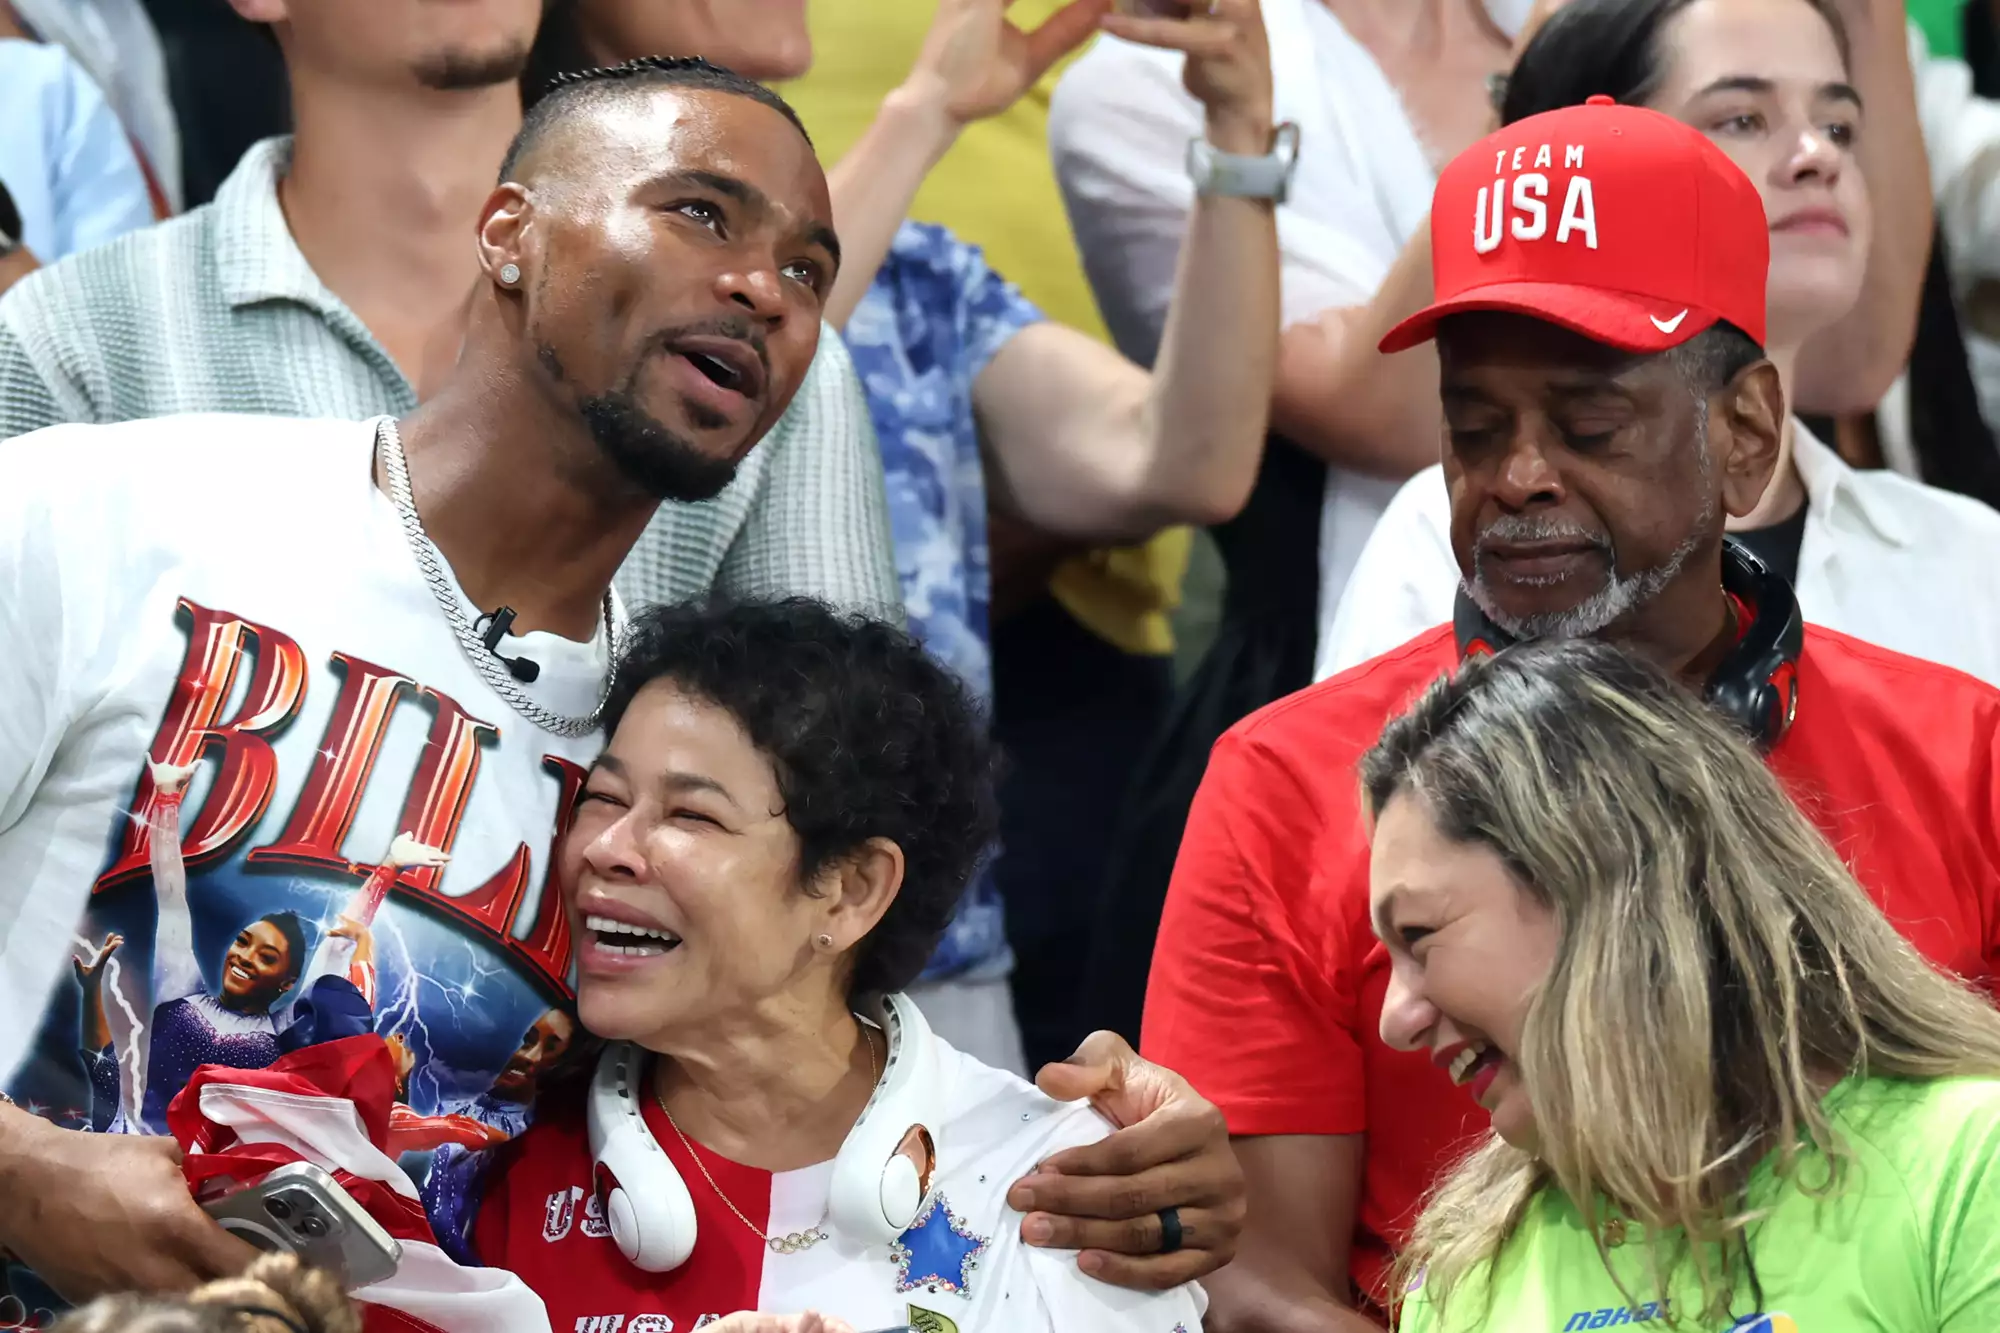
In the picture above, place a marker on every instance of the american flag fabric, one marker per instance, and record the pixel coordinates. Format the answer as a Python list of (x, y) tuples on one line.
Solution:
[(332, 1105)]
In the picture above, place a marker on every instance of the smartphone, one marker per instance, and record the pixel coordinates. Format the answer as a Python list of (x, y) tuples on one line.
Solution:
[(303, 1210), (1154, 9)]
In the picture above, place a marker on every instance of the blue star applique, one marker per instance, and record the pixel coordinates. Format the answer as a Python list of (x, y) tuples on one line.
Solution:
[(938, 1253)]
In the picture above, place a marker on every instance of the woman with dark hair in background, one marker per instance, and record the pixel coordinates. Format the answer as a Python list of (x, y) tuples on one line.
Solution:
[(1725, 1092), (1871, 553), (766, 853)]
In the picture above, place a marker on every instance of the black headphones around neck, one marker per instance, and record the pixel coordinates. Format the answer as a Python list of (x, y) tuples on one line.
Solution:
[(1756, 685)]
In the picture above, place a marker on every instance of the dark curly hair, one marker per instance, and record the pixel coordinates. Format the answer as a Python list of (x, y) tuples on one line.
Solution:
[(574, 90), (868, 735)]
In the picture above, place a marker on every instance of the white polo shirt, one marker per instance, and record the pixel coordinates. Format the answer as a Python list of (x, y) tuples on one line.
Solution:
[(1884, 558)]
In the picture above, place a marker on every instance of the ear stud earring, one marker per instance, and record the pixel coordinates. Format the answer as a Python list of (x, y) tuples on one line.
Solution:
[(826, 941), (510, 274)]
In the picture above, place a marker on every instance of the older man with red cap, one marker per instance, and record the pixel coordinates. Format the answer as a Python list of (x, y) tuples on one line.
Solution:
[(1600, 273)]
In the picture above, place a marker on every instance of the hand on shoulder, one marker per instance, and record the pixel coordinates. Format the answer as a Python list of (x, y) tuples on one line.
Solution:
[(1107, 1199)]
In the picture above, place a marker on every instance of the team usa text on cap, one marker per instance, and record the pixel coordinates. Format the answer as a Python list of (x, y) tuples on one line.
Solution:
[(1517, 202)]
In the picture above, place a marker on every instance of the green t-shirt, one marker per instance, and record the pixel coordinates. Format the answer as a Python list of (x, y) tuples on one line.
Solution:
[(1910, 1242)]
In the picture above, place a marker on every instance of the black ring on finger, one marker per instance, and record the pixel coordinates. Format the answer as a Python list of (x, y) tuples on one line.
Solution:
[(1170, 1230)]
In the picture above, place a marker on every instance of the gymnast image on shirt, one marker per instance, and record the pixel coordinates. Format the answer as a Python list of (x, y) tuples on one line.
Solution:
[(263, 972)]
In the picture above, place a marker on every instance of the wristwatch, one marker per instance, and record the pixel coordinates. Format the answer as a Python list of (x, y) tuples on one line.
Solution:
[(1237, 176)]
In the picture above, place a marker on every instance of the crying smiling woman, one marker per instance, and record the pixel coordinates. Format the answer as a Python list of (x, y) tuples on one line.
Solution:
[(1720, 1081)]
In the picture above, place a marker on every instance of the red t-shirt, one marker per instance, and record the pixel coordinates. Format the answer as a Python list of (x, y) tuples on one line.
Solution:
[(1267, 981)]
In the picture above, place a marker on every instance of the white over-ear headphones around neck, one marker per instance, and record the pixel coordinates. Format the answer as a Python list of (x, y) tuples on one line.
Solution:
[(877, 1190)]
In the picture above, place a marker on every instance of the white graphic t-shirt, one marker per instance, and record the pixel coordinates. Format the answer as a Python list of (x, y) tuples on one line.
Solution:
[(225, 691), (962, 1268)]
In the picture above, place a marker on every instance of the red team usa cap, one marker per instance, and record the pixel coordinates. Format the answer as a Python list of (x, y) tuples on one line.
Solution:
[(1615, 222)]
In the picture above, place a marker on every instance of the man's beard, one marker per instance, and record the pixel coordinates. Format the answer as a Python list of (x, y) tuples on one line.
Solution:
[(454, 71), (664, 465), (659, 462), (1619, 597)]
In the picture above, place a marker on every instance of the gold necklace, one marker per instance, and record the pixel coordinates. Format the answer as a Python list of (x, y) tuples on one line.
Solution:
[(792, 1241)]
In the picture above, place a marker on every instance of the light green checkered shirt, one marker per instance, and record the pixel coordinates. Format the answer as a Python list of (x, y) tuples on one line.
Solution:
[(218, 311)]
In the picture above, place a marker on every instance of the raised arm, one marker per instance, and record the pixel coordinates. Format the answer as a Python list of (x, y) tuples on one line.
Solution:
[(1850, 365), (95, 1025), (1119, 129), (973, 64), (176, 971), (1341, 398), (1084, 442)]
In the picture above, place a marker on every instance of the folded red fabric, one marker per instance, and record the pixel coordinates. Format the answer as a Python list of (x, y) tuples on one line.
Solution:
[(333, 1105)]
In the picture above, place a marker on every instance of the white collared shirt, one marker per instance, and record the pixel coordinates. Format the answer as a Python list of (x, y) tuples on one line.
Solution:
[(1884, 558)]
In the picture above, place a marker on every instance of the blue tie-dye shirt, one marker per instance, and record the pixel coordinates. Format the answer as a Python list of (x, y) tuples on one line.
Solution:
[(935, 315)]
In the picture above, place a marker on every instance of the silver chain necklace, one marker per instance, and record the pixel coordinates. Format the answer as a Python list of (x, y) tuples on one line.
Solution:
[(389, 446)]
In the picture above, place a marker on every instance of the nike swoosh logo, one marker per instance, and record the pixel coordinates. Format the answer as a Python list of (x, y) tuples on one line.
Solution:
[(1668, 325)]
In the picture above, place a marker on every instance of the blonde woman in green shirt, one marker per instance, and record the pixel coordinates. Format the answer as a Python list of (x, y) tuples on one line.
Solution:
[(1725, 1093)]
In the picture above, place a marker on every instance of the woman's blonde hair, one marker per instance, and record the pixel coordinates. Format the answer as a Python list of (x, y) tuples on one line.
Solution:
[(276, 1294), (1717, 962)]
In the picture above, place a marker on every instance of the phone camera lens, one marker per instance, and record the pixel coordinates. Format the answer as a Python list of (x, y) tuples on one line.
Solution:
[(278, 1208), (312, 1225)]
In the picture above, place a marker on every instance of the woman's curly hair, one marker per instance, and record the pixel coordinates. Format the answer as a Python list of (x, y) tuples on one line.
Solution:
[(868, 735)]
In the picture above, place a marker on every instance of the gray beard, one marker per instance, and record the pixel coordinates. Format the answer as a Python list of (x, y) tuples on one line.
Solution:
[(1619, 597)]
